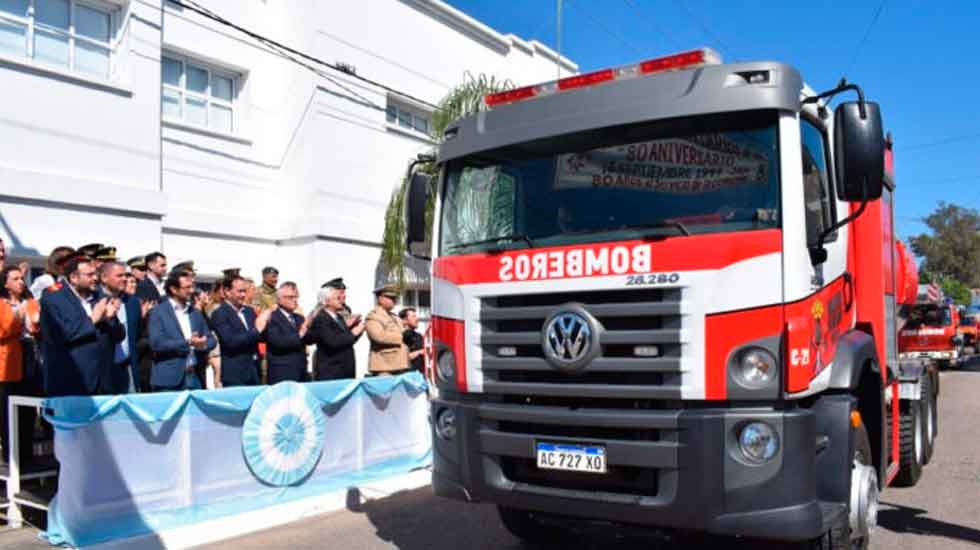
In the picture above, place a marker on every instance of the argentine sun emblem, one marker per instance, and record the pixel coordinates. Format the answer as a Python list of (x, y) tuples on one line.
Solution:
[(282, 438)]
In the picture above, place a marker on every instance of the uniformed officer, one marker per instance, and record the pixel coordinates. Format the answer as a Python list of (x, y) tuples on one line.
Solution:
[(53, 272), (184, 266), (89, 249), (265, 298), (389, 354), (102, 255), (137, 266), (333, 335), (345, 312)]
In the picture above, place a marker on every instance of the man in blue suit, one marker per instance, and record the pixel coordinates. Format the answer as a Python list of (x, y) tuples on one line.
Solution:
[(80, 336), (179, 336), (285, 335), (239, 332), (124, 375)]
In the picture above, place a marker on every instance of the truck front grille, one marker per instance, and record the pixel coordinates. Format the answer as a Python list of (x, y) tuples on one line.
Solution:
[(629, 318)]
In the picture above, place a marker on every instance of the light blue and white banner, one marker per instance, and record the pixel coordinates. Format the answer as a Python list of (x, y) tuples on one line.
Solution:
[(145, 463)]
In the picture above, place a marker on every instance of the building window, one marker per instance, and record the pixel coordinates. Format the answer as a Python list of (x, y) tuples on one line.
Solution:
[(420, 300), (407, 117), (75, 35), (198, 94)]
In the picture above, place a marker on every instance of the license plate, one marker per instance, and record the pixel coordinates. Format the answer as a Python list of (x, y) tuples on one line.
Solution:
[(589, 459)]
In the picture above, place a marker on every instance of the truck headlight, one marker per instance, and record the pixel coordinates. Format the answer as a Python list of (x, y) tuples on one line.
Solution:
[(446, 367), (755, 369), (758, 442)]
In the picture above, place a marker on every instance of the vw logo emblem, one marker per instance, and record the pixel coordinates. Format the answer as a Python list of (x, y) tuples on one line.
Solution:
[(569, 341)]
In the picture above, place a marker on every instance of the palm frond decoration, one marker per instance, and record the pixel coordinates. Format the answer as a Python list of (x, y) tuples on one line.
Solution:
[(465, 99)]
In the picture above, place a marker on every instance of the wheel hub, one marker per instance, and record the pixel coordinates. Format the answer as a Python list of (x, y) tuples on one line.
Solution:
[(864, 500)]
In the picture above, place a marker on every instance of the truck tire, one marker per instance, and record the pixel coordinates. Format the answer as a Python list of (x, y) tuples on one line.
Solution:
[(911, 435), (839, 536), (930, 423), (523, 525)]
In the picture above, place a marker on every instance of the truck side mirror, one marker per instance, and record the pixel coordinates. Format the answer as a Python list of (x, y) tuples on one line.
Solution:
[(859, 148), (416, 197)]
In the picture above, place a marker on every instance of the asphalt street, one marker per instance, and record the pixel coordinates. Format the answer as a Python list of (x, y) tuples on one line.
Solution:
[(941, 512)]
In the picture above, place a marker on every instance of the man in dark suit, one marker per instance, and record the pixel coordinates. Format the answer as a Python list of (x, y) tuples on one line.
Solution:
[(80, 337), (151, 289), (124, 375), (179, 336), (284, 336), (334, 337), (239, 331)]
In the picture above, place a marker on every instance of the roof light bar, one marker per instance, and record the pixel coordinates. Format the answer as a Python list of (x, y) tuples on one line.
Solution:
[(684, 60)]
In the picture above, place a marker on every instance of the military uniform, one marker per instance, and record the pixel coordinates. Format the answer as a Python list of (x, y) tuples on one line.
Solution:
[(265, 297), (389, 354)]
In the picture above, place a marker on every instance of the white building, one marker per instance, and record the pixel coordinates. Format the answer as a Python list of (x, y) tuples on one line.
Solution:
[(144, 125)]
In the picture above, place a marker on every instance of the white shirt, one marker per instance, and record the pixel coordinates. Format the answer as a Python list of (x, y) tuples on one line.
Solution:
[(157, 283), (241, 316), (122, 348), (85, 305), (183, 314), (41, 283), (288, 317)]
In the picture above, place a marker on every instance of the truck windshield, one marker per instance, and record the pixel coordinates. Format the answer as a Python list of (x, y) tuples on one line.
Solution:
[(929, 316), (679, 177)]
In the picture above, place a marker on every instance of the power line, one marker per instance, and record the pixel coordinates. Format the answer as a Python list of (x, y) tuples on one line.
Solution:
[(704, 28), (609, 31), (864, 39), (937, 143), (193, 6), (659, 28)]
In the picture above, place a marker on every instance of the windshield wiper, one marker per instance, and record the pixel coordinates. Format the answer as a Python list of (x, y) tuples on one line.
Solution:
[(681, 228), (497, 240), (658, 225)]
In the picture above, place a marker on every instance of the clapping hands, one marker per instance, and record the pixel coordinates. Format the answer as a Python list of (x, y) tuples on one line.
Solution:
[(198, 342), (263, 319)]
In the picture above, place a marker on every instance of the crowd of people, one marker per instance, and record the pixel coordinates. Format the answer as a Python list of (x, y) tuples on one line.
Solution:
[(93, 325)]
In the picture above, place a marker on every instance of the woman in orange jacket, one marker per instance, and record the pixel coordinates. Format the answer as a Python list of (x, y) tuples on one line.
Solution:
[(19, 373)]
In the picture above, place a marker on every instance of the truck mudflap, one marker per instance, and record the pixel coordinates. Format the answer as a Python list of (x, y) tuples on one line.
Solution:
[(666, 469), (910, 373)]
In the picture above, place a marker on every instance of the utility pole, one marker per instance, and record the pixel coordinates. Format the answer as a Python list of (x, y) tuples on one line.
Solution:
[(558, 61)]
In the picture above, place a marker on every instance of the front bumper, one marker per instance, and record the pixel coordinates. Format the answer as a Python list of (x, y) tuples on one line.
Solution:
[(667, 469), (937, 355)]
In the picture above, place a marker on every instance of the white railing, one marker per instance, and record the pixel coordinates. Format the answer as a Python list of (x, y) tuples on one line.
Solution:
[(15, 517)]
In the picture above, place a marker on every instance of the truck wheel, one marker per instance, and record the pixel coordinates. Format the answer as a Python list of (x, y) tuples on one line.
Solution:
[(911, 438), (930, 422), (523, 525), (853, 532)]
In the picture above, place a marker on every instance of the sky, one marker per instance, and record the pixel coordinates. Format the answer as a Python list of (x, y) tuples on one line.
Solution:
[(919, 60)]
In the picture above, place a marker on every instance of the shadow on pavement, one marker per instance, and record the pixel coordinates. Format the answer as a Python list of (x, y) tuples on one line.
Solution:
[(902, 519), (418, 520)]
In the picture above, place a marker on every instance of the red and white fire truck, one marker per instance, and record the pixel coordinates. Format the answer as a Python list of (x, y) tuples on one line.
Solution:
[(665, 295), (931, 328)]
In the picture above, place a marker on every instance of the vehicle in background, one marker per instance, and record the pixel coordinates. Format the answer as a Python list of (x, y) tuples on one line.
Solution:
[(931, 329), (969, 330)]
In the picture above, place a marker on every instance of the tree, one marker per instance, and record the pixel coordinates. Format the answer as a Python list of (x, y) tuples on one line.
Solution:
[(465, 99), (952, 248)]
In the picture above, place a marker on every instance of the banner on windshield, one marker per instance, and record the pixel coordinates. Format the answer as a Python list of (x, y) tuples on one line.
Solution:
[(696, 164)]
